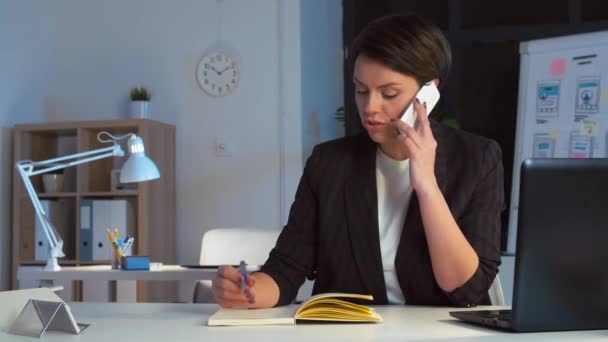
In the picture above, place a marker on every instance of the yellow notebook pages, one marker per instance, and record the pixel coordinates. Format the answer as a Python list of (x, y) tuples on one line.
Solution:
[(325, 307)]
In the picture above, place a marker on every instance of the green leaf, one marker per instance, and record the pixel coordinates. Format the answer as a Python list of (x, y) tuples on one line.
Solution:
[(139, 94), (451, 122)]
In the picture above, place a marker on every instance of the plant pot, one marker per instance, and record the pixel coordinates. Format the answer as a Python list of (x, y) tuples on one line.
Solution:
[(140, 109), (52, 182)]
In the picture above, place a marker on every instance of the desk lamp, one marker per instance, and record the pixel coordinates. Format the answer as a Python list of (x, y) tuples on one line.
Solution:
[(137, 168)]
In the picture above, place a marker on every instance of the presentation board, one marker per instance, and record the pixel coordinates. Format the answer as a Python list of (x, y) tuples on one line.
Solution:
[(562, 107)]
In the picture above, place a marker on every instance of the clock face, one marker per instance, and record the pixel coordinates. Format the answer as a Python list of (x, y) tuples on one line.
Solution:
[(217, 74)]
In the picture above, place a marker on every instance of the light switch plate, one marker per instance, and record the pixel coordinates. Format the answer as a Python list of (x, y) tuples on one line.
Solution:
[(222, 147)]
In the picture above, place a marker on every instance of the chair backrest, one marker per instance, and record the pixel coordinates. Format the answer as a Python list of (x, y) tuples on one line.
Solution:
[(228, 246), (496, 295)]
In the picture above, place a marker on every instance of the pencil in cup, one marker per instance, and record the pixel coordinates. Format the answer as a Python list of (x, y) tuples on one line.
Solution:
[(117, 250), (110, 236)]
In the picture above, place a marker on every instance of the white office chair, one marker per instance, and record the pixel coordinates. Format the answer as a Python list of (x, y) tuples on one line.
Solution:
[(497, 297), (228, 246)]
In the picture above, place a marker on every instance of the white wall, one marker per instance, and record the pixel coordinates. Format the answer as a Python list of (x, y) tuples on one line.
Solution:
[(322, 71), (75, 60), (20, 67), (5, 189)]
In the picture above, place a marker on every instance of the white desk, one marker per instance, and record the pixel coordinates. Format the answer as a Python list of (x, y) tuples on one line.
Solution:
[(105, 272), (121, 291), (187, 322)]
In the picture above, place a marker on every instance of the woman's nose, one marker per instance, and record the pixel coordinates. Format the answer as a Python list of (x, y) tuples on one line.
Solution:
[(371, 103)]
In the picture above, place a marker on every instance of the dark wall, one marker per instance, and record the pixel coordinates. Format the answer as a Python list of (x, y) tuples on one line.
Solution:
[(481, 92)]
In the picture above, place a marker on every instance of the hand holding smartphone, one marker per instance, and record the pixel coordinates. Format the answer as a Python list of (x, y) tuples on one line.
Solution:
[(429, 94)]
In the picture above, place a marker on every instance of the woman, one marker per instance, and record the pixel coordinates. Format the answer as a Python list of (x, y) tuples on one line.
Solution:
[(409, 215)]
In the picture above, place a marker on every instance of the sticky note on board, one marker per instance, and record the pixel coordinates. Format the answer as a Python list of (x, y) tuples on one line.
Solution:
[(589, 128), (554, 134), (558, 67)]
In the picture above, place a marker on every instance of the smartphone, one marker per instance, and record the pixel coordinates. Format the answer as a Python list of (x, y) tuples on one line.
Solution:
[(429, 94)]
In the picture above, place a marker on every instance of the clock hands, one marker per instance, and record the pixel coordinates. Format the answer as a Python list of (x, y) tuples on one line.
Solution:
[(214, 69), (226, 68)]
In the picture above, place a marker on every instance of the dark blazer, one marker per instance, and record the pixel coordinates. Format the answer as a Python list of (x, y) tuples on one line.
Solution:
[(332, 231)]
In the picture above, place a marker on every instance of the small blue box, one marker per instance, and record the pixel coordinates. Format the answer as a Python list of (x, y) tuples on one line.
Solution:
[(135, 263)]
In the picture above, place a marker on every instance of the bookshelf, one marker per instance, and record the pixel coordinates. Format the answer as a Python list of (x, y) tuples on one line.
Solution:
[(153, 202)]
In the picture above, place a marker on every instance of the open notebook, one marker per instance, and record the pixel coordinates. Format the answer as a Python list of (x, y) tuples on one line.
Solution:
[(325, 307)]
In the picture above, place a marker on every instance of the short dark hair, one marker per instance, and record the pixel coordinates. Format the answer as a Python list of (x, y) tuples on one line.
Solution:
[(408, 44)]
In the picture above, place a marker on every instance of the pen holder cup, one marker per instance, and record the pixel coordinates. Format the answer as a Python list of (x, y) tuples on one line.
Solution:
[(116, 255)]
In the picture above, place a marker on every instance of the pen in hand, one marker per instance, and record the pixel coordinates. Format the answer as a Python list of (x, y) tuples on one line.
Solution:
[(244, 288), (243, 270)]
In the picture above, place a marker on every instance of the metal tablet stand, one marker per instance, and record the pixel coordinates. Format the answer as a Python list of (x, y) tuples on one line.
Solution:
[(39, 316)]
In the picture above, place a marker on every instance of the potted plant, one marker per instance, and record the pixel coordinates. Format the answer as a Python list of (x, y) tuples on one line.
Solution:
[(140, 102), (53, 181)]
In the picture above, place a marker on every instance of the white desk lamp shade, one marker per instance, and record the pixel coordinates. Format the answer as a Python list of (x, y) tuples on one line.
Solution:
[(138, 167)]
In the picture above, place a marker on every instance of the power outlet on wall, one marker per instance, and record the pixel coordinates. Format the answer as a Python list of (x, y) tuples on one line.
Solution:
[(222, 147)]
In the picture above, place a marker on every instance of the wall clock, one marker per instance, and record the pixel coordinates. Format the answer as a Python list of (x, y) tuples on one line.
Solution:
[(217, 74)]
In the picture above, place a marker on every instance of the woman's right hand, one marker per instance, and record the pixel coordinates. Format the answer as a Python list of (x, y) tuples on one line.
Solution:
[(227, 290)]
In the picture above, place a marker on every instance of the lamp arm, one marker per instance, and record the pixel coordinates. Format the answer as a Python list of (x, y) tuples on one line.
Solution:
[(50, 232), (72, 160), (26, 170)]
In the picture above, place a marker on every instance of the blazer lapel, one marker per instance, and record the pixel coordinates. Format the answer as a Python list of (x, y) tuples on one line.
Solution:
[(361, 204)]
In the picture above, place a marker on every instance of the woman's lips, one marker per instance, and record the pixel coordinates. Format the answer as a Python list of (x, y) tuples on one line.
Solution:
[(374, 125)]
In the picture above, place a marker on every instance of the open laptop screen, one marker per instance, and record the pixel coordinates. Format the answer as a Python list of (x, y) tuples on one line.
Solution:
[(561, 268), (561, 262)]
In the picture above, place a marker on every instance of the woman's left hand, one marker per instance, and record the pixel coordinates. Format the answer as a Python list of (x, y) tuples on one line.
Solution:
[(421, 145)]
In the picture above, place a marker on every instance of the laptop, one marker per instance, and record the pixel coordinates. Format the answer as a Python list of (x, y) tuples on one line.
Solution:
[(561, 263)]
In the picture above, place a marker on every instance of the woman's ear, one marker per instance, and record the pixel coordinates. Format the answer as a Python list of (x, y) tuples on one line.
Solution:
[(436, 81)]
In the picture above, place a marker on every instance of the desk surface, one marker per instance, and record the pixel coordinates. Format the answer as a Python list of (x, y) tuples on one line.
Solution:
[(105, 272), (187, 322)]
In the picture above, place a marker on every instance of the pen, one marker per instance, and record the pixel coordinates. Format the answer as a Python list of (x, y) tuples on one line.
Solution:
[(126, 244), (243, 270)]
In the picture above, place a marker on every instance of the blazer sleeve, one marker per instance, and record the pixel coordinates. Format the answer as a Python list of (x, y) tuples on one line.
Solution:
[(294, 256), (481, 225)]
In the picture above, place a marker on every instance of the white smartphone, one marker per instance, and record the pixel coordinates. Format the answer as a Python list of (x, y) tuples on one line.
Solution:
[(429, 94)]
